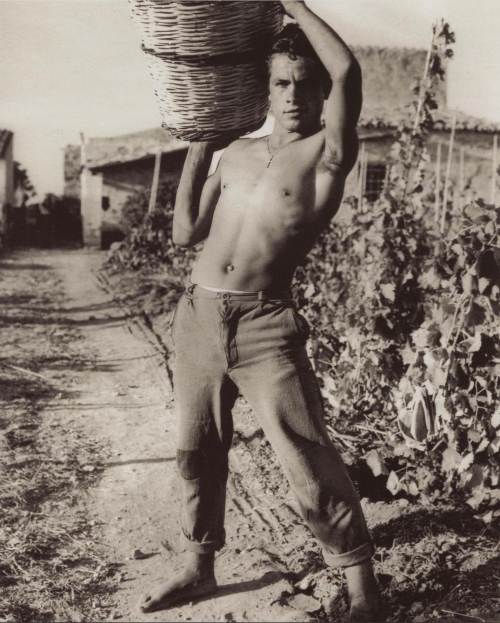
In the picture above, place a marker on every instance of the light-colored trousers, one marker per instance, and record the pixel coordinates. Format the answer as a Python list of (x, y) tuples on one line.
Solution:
[(255, 344)]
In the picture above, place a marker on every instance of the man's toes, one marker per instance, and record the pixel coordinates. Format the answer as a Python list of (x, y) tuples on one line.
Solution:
[(145, 603)]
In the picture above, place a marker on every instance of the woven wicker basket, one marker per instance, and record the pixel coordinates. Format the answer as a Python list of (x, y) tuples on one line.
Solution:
[(207, 63)]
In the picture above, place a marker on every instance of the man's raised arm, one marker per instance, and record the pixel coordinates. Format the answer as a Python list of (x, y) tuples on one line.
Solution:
[(196, 197), (344, 103)]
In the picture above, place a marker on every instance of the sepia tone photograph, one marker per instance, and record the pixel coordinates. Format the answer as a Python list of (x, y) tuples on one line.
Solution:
[(249, 311)]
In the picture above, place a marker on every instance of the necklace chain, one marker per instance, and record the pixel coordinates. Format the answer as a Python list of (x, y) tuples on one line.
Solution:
[(271, 154)]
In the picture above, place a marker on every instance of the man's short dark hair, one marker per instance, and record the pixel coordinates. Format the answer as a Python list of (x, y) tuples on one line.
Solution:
[(292, 42)]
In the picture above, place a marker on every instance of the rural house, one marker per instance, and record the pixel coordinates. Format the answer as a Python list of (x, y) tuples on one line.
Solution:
[(388, 77), (104, 172)]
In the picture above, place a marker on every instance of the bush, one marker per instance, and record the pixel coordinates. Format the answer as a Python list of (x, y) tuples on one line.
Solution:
[(404, 314), (148, 242)]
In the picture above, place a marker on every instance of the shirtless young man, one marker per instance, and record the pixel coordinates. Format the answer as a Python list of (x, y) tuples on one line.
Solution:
[(236, 328)]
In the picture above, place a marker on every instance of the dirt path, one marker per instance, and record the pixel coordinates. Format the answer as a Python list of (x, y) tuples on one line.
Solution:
[(126, 402)]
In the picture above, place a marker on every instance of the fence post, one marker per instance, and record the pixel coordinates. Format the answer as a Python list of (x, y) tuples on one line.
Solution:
[(448, 171), (461, 177), (154, 186)]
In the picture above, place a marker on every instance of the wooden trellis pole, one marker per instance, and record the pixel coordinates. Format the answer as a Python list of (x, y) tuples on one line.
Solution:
[(365, 170), (448, 172), (461, 177), (154, 186), (437, 200), (494, 170), (424, 80), (386, 178)]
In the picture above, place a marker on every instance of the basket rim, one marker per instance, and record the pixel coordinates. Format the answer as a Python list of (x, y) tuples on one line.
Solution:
[(201, 134), (222, 58)]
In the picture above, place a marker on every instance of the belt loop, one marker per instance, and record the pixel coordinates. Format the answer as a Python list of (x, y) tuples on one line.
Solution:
[(261, 295)]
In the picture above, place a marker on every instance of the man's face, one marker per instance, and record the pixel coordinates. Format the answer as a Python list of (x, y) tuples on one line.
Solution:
[(296, 93)]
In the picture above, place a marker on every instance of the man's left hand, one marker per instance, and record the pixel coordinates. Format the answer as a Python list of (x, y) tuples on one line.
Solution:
[(292, 6)]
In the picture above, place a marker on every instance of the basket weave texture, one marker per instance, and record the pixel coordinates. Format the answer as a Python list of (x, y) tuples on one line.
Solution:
[(207, 63)]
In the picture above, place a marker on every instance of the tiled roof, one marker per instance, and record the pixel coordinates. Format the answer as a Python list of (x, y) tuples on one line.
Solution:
[(5, 138), (389, 75), (386, 118), (102, 152)]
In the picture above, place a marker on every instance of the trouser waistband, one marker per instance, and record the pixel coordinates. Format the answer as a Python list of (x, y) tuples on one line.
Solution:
[(196, 291)]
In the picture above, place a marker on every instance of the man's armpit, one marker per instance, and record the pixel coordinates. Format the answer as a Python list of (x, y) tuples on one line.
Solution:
[(330, 163)]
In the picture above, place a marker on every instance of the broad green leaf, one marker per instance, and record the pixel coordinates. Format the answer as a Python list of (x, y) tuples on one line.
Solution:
[(477, 498), (408, 354), (473, 477), (483, 284), (376, 463), (468, 282), (330, 384), (494, 446), (430, 279), (442, 412), (451, 459), (413, 488), (309, 291), (388, 290), (438, 377), (476, 344), (483, 445), (401, 449), (333, 401), (466, 462), (420, 338), (474, 436), (393, 483)]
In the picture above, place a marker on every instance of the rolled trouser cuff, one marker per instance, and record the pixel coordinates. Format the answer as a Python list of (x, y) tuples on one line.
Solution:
[(349, 559), (205, 547)]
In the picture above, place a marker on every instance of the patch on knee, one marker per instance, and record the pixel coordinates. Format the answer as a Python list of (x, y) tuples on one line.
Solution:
[(190, 463)]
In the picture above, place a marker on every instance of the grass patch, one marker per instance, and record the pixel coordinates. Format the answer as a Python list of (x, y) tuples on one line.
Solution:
[(51, 569)]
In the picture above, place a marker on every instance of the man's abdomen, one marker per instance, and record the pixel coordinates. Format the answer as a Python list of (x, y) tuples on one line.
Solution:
[(254, 256)]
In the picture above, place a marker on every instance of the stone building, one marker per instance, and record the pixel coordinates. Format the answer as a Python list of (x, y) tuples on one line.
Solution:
[(104, 172), (388, 78)]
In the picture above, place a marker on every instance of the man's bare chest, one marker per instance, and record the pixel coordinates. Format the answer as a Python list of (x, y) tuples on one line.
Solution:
[(251, 183)]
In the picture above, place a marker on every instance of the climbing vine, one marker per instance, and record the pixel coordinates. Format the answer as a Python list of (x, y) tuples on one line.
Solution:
[(406, 322)]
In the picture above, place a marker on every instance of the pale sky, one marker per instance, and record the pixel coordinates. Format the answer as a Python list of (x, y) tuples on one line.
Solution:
[(71, 66)]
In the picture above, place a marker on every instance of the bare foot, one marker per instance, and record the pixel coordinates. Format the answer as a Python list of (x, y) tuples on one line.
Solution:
[(364, 594), (196, 580)]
